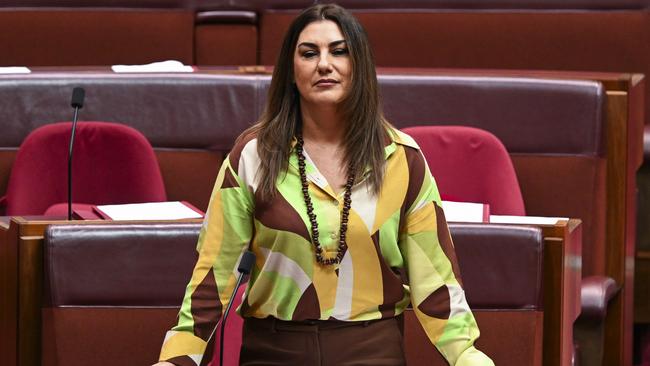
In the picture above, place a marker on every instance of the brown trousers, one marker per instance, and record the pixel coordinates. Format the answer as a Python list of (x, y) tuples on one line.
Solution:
[(268, 342)]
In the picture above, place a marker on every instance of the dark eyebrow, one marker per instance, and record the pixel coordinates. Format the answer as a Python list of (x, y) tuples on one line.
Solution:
[(313, 45)]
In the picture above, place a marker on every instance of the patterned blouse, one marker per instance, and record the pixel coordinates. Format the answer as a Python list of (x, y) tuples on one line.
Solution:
[(399, 252)]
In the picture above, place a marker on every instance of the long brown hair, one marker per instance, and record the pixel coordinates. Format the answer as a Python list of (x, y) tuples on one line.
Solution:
[(366, 136)]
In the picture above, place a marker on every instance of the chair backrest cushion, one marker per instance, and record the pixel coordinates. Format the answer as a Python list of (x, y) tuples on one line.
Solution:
[(470, 165), (112, 164)]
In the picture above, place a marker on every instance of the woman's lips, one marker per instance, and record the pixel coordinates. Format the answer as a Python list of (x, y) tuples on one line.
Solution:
[(326, 82)]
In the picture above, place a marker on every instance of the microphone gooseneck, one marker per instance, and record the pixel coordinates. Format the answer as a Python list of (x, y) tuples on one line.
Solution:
[(245, 265), (77, 103)]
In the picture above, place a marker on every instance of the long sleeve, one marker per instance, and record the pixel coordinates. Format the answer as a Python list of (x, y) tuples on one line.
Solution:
[(437, 294), (225, 234)]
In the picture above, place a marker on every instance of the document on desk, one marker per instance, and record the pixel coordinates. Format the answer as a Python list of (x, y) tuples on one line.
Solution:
[(175, 210), (465, 211), (14, 70), (163, 66), (532, 220)]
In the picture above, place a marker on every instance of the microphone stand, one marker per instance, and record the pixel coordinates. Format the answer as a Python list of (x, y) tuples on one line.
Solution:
[(245, 265), (77, 103), (74, 126), (225, 316)]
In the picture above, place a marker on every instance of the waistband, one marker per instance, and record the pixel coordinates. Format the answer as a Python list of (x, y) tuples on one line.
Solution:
[(274, 324)]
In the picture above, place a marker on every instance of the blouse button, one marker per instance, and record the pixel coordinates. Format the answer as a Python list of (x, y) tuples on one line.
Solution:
[(333, 236)]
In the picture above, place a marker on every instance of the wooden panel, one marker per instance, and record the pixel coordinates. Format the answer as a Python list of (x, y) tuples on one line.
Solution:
[(189, 175), (8, 292), (517, 343), (30, 272), (618, 331), (102, 336), (225, 44), (562, 282)]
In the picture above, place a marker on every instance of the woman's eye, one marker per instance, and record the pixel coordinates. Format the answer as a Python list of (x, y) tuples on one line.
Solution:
[(340, 51), (309, 54)]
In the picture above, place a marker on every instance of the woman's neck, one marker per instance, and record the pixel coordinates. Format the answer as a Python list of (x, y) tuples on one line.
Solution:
[(322, 125)]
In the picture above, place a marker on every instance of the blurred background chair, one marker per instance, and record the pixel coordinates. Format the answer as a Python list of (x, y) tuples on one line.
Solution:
[(112, 164)]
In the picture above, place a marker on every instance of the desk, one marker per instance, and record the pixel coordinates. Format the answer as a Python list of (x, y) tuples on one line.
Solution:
[(21, 257), (21, 249), (562, 280)]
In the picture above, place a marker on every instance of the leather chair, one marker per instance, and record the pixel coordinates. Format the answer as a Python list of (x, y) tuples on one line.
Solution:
[(470, 165), (112, 164)]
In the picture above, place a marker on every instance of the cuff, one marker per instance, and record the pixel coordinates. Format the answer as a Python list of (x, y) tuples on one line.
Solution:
[(473, 357)]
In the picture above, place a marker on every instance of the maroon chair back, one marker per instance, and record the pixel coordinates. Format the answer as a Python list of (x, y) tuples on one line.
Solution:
[(112, 164), (470, 165)]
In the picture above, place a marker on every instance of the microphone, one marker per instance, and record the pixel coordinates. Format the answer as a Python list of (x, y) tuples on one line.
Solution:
[(245, 265), (77, 103)]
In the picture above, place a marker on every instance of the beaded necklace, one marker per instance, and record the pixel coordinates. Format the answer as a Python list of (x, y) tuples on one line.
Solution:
[(347, 203)]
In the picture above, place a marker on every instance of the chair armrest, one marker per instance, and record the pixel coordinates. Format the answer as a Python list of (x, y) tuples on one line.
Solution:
[(596, 292), (646, 144)]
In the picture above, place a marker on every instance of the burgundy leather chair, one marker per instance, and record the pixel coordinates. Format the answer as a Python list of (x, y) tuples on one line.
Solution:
[(470, 165), (112, 164)]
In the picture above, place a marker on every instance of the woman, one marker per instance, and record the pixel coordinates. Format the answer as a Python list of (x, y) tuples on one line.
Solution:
[(339, 208)]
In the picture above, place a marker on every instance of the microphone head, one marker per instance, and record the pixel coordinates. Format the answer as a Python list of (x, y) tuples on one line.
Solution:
[(246, 263), (78, 94)]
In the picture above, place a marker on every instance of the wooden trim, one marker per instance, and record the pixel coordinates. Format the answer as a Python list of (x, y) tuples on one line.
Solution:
[(617, 337)]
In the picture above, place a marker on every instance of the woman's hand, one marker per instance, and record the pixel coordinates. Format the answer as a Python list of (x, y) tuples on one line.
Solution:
[(164, 363)]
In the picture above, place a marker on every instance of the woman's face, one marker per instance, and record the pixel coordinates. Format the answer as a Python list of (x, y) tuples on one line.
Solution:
[(321, 63)]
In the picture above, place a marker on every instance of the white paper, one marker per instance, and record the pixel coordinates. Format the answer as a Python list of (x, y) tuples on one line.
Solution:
[(14, 70), (463, 211), (163, 66), (150, 211), (535, 220)]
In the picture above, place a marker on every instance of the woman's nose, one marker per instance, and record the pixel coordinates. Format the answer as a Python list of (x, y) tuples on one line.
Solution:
[(324, 64)]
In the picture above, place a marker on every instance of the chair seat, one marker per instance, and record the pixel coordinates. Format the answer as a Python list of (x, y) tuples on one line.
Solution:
[(80, 210)]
